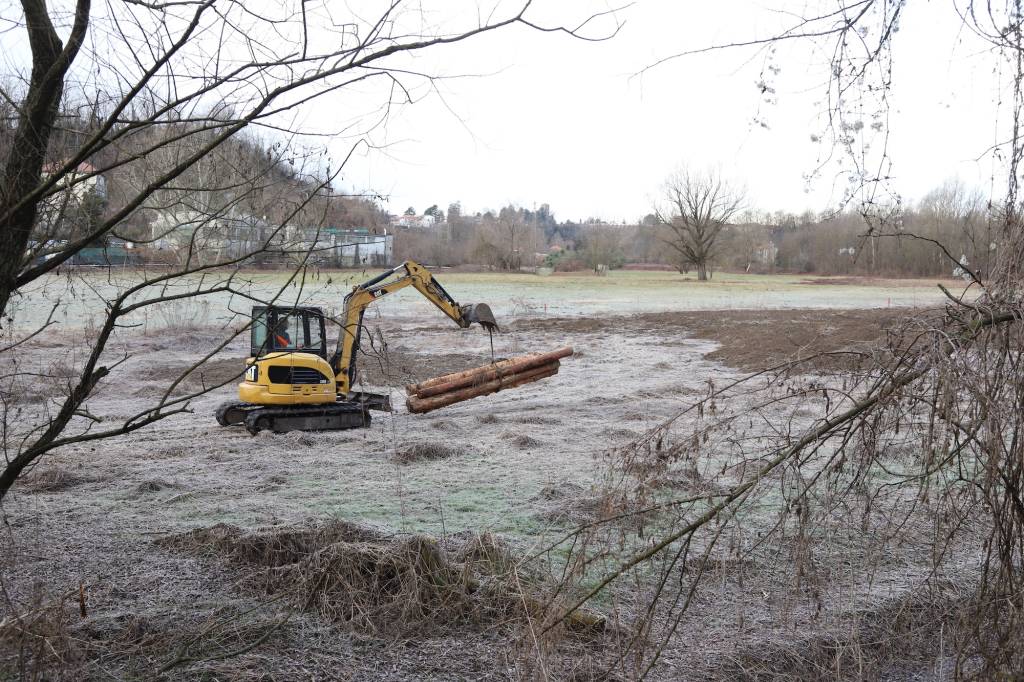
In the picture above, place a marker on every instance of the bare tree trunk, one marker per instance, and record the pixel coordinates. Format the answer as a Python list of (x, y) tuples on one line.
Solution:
[(24, 163)]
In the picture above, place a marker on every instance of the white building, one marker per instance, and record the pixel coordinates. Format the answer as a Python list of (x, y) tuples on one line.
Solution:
[(408, 221), (358, 246)]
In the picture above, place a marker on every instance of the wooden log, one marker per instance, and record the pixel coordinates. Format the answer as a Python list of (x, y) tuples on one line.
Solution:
[(480, 375), (418, 405), (483, 375)]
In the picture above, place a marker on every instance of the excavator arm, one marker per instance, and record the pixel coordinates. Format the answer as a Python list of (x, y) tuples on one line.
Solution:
[(359, 299)]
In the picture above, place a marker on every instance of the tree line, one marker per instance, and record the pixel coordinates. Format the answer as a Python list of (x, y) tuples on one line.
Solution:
[(711, 230)]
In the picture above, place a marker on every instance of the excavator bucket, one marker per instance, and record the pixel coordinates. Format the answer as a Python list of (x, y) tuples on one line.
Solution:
[(481, 314)]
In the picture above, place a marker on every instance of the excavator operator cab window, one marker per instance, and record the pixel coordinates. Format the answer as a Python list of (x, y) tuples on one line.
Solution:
[(288, 329)]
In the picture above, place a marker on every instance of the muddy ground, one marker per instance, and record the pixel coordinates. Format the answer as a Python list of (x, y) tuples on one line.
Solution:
[(99, 526)]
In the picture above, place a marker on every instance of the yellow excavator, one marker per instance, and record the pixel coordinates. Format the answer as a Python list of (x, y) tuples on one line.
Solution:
[(292, 384)]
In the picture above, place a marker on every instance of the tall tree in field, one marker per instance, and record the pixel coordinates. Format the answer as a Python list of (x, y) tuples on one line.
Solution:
[(696, 205)]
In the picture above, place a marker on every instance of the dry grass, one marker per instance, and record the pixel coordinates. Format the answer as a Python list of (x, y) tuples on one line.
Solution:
[(898, 634), (152, 486), (426, 451), (568, 503), (271, 548), (368, 581), (53, 479), (522, 440), (36, 645)]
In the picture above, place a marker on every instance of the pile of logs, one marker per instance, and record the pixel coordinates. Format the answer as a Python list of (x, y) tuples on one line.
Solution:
[(473, 383)]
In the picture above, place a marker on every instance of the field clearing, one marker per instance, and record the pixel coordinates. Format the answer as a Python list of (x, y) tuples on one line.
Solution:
[(524, 465), (80, 294)]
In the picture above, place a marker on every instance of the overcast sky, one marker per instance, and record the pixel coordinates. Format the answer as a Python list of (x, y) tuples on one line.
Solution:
[(526, 118), (576, 125)]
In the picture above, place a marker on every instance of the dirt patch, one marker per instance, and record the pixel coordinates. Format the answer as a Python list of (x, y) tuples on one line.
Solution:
[(559, 491), (426, 451), (842, 281), (753, 339), (213, 372), (866, 281)]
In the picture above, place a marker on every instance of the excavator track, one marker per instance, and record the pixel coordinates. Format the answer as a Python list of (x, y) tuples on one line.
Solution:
[(233, 412), (331, 417), (334, 417)]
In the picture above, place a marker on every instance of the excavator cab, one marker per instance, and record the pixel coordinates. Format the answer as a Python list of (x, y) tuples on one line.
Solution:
[(278, 329)]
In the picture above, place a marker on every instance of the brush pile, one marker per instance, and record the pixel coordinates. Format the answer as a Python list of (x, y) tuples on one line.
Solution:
[(480, 381), (371, 581)]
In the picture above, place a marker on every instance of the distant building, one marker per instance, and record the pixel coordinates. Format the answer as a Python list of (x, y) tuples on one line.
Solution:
[(962, 270), (339, 247), (201, 238), (353, 247), (78, 202), (407, 221), (766, 253), (80, 181), (211, 239)]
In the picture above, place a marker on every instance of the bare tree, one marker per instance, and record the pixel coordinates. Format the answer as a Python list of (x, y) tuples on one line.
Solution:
[(507, 240), (696, 206), (163, 101), (602, 246)]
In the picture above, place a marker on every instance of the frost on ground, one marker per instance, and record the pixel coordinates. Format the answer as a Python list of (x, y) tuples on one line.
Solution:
[(185, 542)]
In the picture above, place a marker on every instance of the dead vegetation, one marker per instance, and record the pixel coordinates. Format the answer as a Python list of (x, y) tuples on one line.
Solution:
[(444, 595), (36, 642), (894, 639), (572, 505), (429, 451), (55, 479), (60, 639), (151, 486), (368, 581), (522, 440)]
